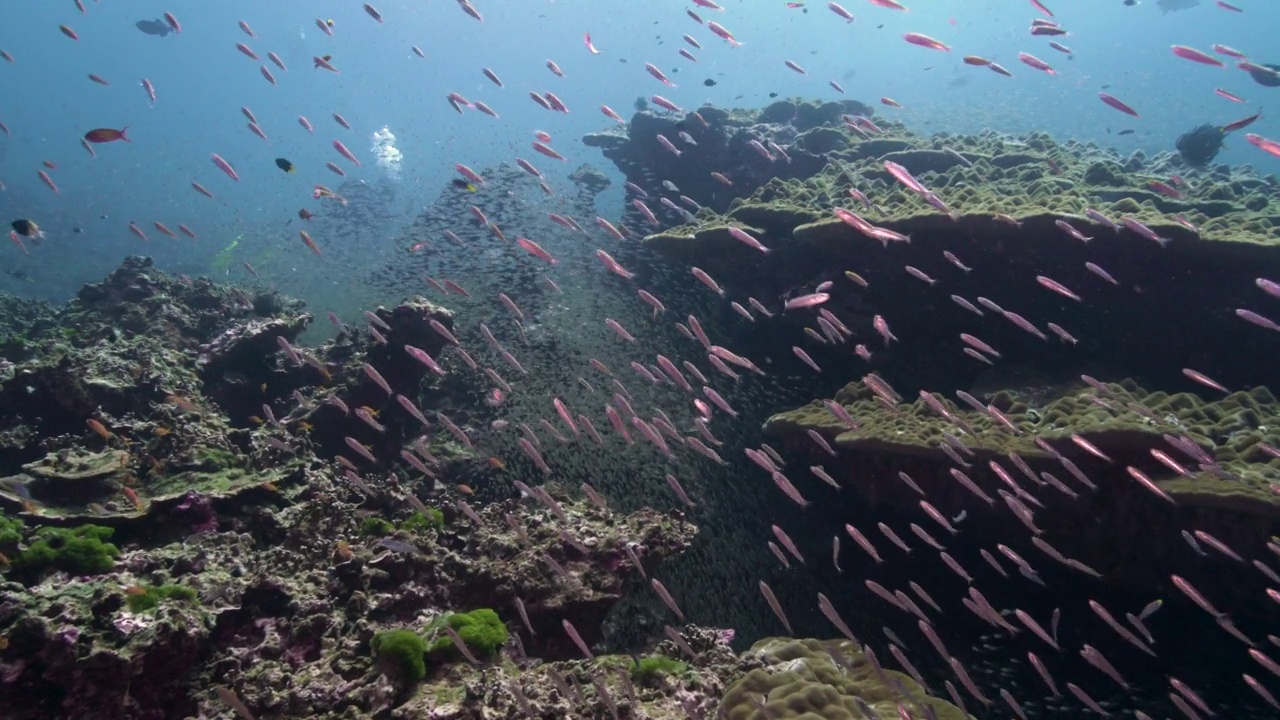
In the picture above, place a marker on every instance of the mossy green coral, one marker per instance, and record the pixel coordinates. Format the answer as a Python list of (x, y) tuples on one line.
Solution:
[(400, 655), (1231, 429), (81, 551), (376, 527), (10, 531), (150, 597), (648, 669), (482, 630), (418, 522), (802, 679)]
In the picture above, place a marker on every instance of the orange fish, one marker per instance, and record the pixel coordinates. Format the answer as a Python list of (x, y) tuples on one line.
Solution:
[(465, 489), (306, 238), (99, 428), (132, 496), (497, 464)]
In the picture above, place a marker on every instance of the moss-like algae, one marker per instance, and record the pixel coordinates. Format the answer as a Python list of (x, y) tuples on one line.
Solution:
[(420, 523), (802, 679), (400, 655), (80, 551), (149, 598), (983, 176), (482, 631), (1127, 419), (647, 670)]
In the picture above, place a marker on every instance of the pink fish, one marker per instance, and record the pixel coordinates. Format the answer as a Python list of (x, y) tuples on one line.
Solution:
[(305, 123), (546, 150), (1228, 95), (536, 250), (247, 50), (1189, 53), (654, 71), (721, 31), (344, 152), (1117, 104), (225, 167), (1035, 62), (1055, 286), (925, 41), (151, 90), (1263, 144), (613, 265), (837, 9), (902, 175), (590, 47)]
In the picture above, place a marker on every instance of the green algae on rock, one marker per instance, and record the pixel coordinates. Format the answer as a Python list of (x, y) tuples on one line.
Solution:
[(481, 630), (83, 550), (400, 655), (1121, 421), (801, 678)]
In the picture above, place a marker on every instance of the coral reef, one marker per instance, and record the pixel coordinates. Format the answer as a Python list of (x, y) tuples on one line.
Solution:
[(1120, 420), (828, 679), (172, 532)]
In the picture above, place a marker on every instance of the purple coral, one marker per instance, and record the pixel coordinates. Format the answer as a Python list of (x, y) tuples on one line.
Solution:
[(198, 510)]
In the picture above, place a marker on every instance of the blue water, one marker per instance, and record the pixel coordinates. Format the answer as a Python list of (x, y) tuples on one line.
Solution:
[(201, 82)]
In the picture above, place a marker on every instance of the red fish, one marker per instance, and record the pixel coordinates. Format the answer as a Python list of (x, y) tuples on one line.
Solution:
[(173, 22), (69, 32), (1241, 123)]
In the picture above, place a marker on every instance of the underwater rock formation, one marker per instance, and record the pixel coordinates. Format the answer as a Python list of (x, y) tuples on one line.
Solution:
[(721, 141), (1116, 470), (828, 679), (171, 544)]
